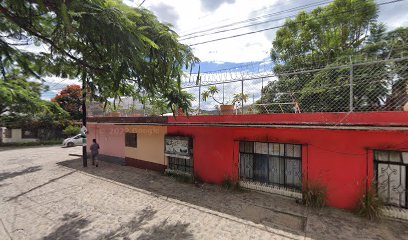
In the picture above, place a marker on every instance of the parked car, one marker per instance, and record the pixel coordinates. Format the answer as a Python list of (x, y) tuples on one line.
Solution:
[(73, 141)]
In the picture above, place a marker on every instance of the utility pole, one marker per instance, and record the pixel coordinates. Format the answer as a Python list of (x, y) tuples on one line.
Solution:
[(84, 153)]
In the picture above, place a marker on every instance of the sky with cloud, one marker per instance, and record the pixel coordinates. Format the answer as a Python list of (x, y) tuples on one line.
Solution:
[(188, 16), (192, 16)]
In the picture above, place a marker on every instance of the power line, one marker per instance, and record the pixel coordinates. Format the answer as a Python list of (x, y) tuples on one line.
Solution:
[(271, 28), (56, 83), (237, 28), (263, 16), (235, 67)]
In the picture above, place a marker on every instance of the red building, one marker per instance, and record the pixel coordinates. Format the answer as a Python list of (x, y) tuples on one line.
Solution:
[(344, 152)]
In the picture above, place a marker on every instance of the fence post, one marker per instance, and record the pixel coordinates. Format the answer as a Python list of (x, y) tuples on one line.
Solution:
[(242, 96), (223, 93), (351, 107), (262, 92), (199, 98)]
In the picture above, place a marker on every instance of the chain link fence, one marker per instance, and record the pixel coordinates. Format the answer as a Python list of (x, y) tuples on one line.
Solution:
[(369, 86), (255, 89)]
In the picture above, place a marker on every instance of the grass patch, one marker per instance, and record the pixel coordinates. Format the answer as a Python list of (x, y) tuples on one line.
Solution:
[(314, 195), (184, 178), (30, 144), (229, 184), (370, 206)]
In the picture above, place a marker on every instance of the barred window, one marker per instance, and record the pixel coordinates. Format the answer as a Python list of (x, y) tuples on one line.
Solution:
[(131, 140), (181, 164), (272, 163), (391, 180)]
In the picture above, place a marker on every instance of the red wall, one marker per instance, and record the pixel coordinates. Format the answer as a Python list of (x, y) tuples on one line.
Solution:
[(338, 119), (336, 158), (342, 160)]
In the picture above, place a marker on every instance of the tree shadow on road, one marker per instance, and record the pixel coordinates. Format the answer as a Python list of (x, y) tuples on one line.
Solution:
[(7, 175), (159, 231), (167, 231), (71, 229), (250, 206), (130, 227), (40, 186)]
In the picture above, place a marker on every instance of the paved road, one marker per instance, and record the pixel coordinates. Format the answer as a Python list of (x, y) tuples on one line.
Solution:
[(46, 194)]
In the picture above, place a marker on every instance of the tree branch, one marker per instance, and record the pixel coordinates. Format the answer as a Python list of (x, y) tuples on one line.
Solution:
[(23, 25)]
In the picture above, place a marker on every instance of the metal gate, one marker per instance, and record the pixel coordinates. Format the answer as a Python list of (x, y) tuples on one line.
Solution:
[(391, 177)]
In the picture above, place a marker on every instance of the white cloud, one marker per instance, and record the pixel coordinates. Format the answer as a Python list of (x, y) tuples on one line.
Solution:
[(56, 84), (165, 13), (196, 15)]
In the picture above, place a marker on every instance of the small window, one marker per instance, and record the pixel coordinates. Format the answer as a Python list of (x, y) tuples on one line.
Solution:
[(7, 133), (131, 140)]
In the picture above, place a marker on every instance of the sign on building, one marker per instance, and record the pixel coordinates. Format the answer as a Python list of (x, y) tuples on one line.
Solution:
[(178, 146)]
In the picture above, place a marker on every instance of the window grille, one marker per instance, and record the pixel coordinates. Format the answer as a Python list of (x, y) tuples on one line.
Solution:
[(272, 163), (391, 181), (181, 164)]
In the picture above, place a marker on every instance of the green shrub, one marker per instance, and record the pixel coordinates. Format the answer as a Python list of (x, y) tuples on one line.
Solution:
[(229, 184), (29, 144), (184, 178), (71, 130), (370, 206), (314, 195)]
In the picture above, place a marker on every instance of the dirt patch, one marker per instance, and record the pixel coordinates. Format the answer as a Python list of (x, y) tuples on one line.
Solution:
[(274, 218)]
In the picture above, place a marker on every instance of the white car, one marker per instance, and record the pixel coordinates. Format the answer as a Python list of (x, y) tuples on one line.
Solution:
[(73, 141)]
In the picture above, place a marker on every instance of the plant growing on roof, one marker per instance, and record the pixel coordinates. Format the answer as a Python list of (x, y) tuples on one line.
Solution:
[(239, 98), (225, 108), (212, 90)]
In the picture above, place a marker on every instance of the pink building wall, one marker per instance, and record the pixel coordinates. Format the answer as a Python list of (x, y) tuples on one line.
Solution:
[(111, 139)]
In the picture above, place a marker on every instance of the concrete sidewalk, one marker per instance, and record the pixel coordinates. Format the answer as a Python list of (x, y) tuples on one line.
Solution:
[(46, 194)]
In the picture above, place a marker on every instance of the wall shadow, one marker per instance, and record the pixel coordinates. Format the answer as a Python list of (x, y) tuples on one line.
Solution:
[(7, 175), (269, 210), (39, 186)]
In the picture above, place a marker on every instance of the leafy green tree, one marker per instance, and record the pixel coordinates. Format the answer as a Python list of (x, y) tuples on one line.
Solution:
[(337, 34), (71, 130), (322, 36), (17, 95), (70, 99), (116, 49)]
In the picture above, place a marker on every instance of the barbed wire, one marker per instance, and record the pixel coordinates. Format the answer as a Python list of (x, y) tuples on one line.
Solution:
[(364, 86)]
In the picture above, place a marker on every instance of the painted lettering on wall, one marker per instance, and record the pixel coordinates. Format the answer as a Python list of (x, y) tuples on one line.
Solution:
[(145, 130)]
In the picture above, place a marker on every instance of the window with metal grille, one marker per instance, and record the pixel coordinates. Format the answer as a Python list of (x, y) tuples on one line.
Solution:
[(391, 180), (131, 140), (272, 163), (181, 164)]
